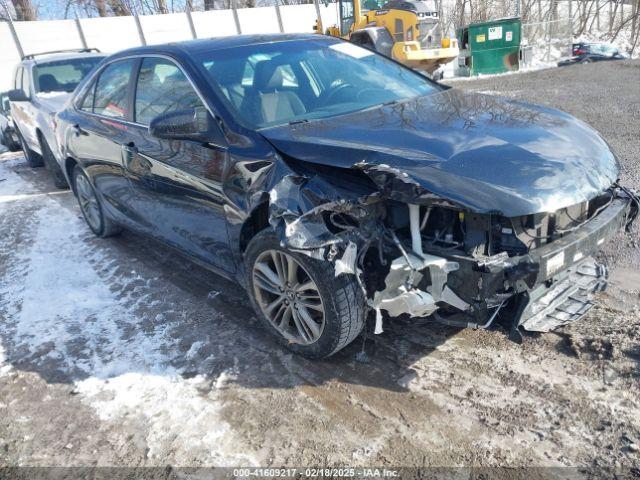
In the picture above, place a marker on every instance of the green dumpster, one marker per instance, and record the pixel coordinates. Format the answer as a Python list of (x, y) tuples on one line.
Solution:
[(490, 47)]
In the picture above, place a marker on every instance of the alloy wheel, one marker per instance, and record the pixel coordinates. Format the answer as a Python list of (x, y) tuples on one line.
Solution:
[(88, 202), (288, 297)]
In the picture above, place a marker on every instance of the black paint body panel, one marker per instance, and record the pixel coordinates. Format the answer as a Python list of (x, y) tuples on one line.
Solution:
[(480, 152)]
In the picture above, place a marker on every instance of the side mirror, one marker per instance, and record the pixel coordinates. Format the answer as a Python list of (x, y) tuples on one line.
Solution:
[(189, 124), (17, 96)]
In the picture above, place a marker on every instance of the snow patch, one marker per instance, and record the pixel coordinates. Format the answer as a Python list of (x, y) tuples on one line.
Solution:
[(178, 416), (5, 368), (68, 310), (53, 94), (12, 185)]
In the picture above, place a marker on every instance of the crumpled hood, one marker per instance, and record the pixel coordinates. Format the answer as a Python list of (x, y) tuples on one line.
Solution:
[(485, 153)]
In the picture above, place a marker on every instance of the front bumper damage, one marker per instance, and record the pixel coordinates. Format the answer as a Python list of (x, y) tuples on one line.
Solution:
[(568, 275), (402, 273)]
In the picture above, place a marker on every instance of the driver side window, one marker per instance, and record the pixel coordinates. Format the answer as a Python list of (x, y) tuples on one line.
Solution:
[(112, 89), (162, 87)]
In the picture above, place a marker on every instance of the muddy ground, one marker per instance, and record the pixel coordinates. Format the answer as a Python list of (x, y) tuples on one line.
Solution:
[(120, 352)]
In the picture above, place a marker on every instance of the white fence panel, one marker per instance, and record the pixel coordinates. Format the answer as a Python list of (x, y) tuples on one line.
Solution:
[(258, 20), (298, 18), (9, 57), (171, 27), (47, 35), (111, 34), (329, 15), (214, 23)]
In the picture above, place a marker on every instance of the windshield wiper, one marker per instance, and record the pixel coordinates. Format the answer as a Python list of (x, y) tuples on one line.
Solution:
[(296, 122)]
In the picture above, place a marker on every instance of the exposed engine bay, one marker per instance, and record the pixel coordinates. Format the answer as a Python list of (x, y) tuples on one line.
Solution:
[(417, 254)]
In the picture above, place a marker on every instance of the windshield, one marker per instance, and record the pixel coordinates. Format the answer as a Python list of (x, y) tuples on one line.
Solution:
[(275, 83), (62, 75)]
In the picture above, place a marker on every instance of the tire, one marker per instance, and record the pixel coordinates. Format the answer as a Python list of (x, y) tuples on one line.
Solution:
[(33, 159), (340, 298), (100, 224), (9, 143), (52, 165)]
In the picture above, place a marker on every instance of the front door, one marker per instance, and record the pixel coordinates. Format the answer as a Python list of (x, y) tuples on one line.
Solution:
[(176, 184)]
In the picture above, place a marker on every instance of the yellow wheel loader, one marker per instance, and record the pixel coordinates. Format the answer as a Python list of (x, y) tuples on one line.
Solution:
[(405, 30)]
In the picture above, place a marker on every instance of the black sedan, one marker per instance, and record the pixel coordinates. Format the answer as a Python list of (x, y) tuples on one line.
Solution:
[(335, 184), (592, 52)]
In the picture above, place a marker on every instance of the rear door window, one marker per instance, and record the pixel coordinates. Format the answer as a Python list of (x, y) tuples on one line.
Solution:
[(162, 87), (87, 101), (112, 90)]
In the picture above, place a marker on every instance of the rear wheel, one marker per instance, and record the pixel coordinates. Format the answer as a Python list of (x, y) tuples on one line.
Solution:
[(91, 207), (52, 165), (8, 142), (300, 300), (33, 159)]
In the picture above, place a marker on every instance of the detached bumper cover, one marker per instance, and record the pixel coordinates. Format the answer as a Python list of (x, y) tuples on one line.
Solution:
[(567, 300), (584, 242), (568, 276)]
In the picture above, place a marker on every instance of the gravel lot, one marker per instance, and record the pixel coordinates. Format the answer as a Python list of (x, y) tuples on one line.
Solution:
[(119, 352)]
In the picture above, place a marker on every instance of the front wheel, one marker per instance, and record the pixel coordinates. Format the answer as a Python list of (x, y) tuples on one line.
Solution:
[(300, 300), (33, 159), (91, 207)]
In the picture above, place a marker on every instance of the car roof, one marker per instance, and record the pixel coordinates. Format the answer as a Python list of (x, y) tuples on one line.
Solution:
[(54, 57), (220, 43)]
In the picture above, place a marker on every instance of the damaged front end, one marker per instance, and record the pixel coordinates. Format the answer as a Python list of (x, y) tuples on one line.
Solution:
[(415, 253)]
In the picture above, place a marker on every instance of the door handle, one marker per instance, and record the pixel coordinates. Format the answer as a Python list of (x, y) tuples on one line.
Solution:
[(129, 151), (79, 131), (134, 161)]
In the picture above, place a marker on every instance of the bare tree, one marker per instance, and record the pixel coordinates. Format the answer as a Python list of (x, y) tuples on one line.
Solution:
[(101, 8), (24, 10), (162, 6)]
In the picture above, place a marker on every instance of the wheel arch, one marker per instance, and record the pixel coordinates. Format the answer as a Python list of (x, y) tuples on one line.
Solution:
[(257, 221), (69, 164), (40, 137)]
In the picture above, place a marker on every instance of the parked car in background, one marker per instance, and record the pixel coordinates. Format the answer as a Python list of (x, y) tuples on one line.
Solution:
[(8, 135), (592, 52), (42, 84), (333, 182)]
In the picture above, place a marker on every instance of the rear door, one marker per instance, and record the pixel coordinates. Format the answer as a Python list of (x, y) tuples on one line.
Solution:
[(21, 111), (177, 184), (98, 131)]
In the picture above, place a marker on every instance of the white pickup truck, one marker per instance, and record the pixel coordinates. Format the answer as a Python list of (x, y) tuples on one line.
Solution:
[(42, 84)]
